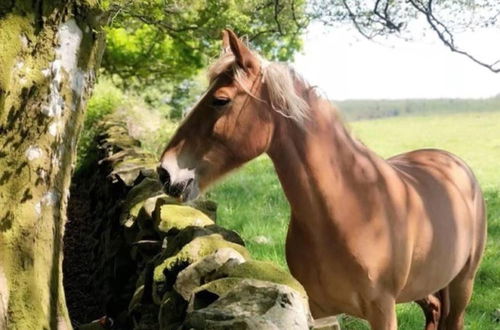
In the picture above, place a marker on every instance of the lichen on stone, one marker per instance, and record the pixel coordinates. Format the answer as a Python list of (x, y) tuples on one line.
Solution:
[(252, 304), (265, 271), (136, 198), (195, 250), (178, 217)]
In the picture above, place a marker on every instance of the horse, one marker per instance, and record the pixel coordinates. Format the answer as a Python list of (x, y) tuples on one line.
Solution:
[(365, 233)]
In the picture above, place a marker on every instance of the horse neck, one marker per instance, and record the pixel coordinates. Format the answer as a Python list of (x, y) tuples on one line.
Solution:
[(323, 170)]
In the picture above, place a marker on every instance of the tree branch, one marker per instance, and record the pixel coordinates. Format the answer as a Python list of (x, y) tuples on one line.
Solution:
[(354, 20), (277, 10), (446, 36)]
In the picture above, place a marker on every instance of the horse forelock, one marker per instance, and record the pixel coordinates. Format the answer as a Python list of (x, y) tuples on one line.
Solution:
[(280, 80)]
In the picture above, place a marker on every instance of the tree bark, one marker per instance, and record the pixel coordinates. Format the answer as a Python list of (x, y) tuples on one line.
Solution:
[(49, 51)]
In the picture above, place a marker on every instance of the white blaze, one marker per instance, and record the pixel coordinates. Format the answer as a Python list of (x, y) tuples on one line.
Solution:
[(177, 174)]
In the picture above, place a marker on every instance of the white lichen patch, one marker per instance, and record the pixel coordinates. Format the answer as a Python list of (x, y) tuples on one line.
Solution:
[(20, 71), (51, 197), (46, 72), (33, 152), (57, 156), (24, 40), (38, 209), (54, 128), (78, 82), (42, 174), (70, 38), (56, 102), (4, 298), (19, 65)]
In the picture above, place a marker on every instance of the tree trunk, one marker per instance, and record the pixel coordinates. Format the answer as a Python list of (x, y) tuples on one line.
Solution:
[(49, 51)]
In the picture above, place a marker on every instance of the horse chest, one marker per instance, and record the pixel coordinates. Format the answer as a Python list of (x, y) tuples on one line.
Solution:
[(333, 279)]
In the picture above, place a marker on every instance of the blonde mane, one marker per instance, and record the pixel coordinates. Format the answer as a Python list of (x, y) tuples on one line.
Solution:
[(280, 81)]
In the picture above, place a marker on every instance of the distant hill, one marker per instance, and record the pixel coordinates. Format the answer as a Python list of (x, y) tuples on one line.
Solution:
[(371, 109)]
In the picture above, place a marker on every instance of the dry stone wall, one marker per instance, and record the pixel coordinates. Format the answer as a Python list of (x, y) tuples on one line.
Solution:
[(144, 261)]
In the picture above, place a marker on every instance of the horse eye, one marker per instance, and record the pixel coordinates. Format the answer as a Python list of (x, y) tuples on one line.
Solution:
[(220, 102)]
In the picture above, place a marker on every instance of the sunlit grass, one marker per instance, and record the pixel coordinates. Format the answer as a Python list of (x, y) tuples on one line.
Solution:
[(251, 201)]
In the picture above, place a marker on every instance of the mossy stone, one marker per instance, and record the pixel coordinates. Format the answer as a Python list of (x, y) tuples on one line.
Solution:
[(206, 294), (176, 241), (251, 304), (198, 273), (265, 271), (172, 311), (129, 170), (178, 217), (195, 250), (136, 198)]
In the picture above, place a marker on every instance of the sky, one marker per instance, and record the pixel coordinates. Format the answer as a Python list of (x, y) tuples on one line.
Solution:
[(346, 66)]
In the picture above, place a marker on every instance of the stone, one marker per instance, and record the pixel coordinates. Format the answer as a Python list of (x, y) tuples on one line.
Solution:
[(171, 216), (172, 311), (177, 241), (195, 274), (130, 169), (496, 315), (326, 323), (206, 294), (166, 271), (253, 304), (136, 298), (136, 198), (264, 271)]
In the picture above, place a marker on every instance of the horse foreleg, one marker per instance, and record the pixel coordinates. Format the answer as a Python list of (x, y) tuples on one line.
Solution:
[(382, 315)]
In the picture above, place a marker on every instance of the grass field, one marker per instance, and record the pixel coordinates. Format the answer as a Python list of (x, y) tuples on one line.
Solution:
[(251, 201)]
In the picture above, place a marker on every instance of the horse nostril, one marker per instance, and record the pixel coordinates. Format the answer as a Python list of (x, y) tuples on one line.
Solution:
[(163, 176), (175, 190)]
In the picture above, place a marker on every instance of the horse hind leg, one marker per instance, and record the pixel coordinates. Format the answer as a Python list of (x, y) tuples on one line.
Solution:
[(460, 288), (460, 291), (435, 308)]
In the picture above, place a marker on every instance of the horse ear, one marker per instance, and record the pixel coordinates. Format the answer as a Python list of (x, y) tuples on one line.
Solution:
[(225, 41), (244, 57)]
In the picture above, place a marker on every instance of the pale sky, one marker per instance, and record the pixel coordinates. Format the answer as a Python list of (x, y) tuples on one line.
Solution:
[(346, 66)]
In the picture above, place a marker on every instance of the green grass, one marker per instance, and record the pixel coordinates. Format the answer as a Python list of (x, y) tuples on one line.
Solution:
[(251, 201)]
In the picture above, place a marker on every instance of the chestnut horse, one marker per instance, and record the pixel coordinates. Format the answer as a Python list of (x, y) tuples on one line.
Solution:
[(365, 233)]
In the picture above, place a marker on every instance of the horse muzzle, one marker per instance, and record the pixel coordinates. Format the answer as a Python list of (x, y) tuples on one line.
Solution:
[(184, 190)]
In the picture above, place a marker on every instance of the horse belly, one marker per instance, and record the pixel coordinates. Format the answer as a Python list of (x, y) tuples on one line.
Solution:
[(440, 252), (442, 219)]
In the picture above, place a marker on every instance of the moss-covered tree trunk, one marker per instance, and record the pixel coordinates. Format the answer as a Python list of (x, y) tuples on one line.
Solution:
[(49, 51)]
